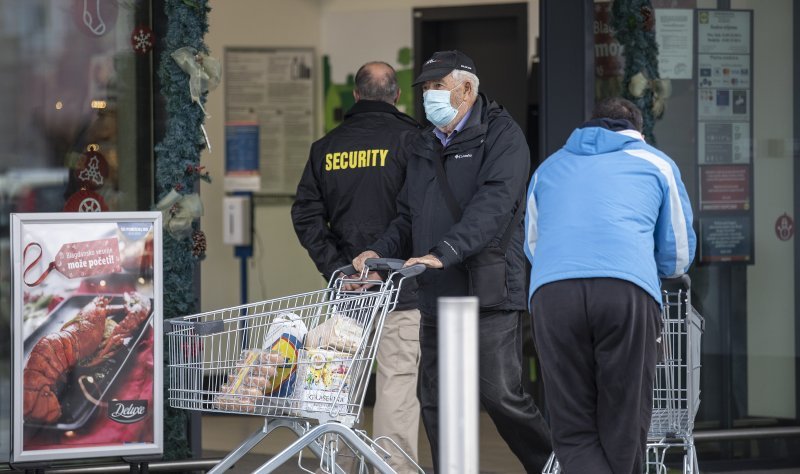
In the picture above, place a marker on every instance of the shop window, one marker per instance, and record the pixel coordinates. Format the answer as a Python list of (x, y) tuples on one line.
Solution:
[(76, 128), (725, 117)]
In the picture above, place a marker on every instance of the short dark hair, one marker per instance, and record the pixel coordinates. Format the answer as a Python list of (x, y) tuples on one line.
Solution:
[(377, 83), (619, 108)]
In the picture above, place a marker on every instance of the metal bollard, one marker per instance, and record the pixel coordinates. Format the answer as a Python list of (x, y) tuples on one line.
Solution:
[(458, 385)]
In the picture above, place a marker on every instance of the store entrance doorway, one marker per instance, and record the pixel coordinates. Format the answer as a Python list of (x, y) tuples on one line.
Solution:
[(494, 36)]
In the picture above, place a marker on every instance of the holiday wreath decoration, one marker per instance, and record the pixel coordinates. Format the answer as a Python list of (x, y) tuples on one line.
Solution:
[(177, 176), (634, 27)]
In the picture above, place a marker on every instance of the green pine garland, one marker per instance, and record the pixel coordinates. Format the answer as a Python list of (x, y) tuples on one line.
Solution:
[(187, 24), (634, 25)]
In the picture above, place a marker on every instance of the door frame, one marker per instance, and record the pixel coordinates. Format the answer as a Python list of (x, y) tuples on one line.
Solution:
[(796, 156)]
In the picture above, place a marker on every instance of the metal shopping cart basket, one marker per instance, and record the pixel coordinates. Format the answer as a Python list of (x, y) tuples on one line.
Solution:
[(302, 362), (676, 387)]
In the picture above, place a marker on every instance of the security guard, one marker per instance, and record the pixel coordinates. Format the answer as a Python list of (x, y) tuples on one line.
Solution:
[(345, 200)]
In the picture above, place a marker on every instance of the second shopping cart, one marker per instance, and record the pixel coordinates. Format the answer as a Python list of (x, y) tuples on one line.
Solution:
[(676, 388)]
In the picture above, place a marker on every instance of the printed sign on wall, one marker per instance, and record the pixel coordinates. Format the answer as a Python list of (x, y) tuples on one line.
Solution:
[(724, 134), (272, 89)]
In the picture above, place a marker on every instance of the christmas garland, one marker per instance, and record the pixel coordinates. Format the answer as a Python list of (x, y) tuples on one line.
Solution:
[(177, 172), (633, 22)]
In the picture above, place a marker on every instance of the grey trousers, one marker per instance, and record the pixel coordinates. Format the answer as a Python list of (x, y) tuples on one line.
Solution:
[(596, 340)]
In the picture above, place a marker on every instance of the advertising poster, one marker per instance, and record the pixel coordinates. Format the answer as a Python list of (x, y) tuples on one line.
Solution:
[(241, 157), (87, 358), (723, 143), (723, 105), (724, 70), (726, 239), (723, 31), (725, 188)]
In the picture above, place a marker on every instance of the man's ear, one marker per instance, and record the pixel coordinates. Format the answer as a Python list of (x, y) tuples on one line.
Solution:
[(467, 89), (397, 97), (471, 89), (356, 95)]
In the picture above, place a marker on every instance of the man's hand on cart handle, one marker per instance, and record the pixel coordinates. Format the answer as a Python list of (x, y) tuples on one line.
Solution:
[(358, 264), (359, 261), (430, 261)]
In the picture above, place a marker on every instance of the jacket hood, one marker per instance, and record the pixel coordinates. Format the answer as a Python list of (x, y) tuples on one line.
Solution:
[(596, 141), (492, 108)]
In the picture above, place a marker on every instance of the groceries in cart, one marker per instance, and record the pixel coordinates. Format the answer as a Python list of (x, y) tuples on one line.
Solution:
[(339, 332), (323, 380), (272, 370), (248, 382), (269, 371)]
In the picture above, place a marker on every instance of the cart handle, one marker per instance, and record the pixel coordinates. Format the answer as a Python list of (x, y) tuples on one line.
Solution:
[(394, 265), (683, 282), (386, 265), (201, 328)]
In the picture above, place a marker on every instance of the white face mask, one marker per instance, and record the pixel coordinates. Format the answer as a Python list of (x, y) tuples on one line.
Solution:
[(438, 109)]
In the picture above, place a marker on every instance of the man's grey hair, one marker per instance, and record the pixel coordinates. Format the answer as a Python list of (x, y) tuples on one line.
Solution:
[(381, 86), (464, 76)]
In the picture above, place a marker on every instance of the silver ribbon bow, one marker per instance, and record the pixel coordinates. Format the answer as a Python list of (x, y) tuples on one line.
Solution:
[(204, 76), (662, 89), (179, 211)]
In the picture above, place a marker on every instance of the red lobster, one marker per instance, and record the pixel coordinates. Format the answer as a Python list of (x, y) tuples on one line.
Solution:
[(54, 356), (138, 308)]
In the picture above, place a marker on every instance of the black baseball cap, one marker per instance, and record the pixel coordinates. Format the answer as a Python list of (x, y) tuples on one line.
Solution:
[(441, 63)]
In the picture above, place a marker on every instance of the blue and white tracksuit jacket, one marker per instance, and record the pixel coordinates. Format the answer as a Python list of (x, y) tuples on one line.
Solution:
[(608, 205)]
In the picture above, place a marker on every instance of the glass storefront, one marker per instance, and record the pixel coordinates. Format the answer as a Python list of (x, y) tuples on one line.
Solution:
[(724, 111), (76, 133), (76, 128)]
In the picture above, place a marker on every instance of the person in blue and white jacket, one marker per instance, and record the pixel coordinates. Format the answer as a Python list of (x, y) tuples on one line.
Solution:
[(607, 216)]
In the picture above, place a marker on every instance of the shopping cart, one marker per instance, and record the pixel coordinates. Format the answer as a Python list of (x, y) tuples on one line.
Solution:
[(302, 362), (676, 387)]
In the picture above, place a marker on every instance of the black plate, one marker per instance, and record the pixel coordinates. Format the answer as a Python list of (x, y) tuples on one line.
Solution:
[(76, 409)]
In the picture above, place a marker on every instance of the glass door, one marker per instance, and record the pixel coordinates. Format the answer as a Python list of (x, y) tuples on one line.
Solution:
[(724, 109)]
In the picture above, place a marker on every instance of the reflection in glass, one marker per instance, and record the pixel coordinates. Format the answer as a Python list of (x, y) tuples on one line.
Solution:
[(75, 128)]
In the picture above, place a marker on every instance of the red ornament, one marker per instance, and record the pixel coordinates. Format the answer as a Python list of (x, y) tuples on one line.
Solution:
[(85, 201), (784, 227), (648, 18), (91, 170), (142, 40)]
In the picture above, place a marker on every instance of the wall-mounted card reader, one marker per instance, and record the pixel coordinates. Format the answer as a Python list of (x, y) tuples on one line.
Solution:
[(236, 220)]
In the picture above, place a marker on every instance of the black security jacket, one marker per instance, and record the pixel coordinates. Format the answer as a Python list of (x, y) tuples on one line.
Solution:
[(487, 166), (346, 197)]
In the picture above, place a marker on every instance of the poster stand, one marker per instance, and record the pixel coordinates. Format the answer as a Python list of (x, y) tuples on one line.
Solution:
[(139, 464), (94, 278)]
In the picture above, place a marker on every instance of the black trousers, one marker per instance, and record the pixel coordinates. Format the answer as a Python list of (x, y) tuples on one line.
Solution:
[(511, 409), (596, 340)]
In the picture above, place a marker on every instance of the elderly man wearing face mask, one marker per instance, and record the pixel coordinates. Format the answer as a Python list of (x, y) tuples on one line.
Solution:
[(463, 203)]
